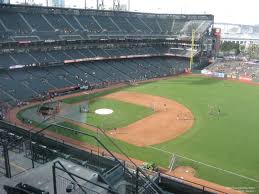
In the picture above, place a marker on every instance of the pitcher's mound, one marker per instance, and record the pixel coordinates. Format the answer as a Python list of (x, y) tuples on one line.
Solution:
[(104, 111)]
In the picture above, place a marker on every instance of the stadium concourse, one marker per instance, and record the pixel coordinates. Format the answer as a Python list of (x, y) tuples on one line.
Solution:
[(51, 52)]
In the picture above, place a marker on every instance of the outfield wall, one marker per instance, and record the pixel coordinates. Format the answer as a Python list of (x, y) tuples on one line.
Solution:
[(228, 76)]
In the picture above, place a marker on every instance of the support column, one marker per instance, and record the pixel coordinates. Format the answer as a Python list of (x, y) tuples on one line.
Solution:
[(54, 179), (7, 161)]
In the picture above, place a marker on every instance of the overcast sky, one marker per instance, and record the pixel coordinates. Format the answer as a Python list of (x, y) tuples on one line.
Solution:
[(229, 11)]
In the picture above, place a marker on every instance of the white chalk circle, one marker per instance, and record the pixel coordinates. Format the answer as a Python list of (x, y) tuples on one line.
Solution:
[(103, 111)]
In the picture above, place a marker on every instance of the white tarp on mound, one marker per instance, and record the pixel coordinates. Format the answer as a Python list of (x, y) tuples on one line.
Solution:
[(103, 111)]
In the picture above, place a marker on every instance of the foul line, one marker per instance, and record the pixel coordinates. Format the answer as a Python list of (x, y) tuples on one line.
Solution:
[(245, 177)]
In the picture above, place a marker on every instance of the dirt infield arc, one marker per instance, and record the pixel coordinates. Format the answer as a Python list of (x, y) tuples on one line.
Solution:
[(170, 119)]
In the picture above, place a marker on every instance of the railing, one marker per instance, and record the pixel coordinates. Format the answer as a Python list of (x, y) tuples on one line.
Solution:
[(140, 173), (63, 182), (75, 181), (140, 176)]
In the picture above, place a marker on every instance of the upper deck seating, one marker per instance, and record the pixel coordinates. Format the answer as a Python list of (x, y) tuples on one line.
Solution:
[(40, 24)]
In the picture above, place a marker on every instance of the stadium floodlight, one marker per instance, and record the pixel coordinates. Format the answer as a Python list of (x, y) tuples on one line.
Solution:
[(100, 4), (116, 5)]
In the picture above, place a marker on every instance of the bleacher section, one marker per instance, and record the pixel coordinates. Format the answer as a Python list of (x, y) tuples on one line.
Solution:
[(45, 50), (12, 59), (24, 84), (18, 23)]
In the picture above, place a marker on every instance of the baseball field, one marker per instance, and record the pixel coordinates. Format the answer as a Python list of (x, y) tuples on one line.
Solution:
[(210, 125)]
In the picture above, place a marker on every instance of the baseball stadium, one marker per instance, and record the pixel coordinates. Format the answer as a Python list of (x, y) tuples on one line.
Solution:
[(114, 101)]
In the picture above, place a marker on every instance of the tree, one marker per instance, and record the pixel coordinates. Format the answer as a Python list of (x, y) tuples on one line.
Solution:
[(242, 49), (252, 51), (230, 47)]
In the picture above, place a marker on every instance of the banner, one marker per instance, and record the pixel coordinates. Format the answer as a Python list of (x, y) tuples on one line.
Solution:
[(84, 88), (213, 74), (219, 75), (204, 71), (245, 78), (223, 75)]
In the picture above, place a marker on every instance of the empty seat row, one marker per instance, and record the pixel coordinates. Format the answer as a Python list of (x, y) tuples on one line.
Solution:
[(49, 25), (8, 60), (29, 83)]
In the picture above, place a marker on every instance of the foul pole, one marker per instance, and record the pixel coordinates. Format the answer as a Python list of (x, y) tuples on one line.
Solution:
[(192, 49)]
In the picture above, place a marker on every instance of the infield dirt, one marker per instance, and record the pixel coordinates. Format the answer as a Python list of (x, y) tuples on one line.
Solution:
[(170, 119)]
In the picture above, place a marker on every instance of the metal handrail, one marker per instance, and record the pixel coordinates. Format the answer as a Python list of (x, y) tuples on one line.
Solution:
[(94, 137)]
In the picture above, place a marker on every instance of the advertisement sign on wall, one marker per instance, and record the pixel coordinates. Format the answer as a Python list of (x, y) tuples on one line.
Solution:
[(245, 78), (222, 75), (213, 74)]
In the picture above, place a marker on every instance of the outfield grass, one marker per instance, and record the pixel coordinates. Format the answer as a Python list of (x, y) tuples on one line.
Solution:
[(229, 142), (123, 115), (232, 141)]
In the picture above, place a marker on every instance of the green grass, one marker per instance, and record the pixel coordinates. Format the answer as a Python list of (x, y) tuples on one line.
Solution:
[(123, 115), (158, 157), (230, 142)]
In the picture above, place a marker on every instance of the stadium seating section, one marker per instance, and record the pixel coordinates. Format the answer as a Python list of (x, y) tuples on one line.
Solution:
[(35, 24), (23, 84), (28, 73), (11, 59)]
